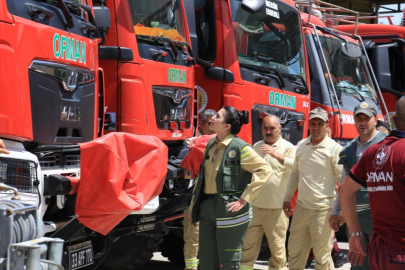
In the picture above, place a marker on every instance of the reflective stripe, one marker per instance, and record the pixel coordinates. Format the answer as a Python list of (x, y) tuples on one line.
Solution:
[(246, 151), (243, 267), (236, 249), (191, 263), (235, 221), (250, 213)]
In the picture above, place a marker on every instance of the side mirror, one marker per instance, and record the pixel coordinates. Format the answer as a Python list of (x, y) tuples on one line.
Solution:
[(219, 74), (351, 51), (215, 73), (170, 15), (253, 6), (102, 17)]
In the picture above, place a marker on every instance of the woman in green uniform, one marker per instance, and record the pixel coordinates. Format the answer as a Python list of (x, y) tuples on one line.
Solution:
[(231, 174)]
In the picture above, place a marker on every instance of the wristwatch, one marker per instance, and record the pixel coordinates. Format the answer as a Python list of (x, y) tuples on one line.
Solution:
[(354, 234)]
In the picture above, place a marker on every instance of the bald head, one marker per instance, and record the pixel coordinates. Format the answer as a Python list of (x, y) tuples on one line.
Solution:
[(271, 129), (400, 114), (271, 119)]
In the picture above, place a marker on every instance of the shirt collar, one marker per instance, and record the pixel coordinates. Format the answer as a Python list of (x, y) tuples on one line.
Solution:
[(226, 140), (276, 144), (369, 140), (397, 133), (323, 143)]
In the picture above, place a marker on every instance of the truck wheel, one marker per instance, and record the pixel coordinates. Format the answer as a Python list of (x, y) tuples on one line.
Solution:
[(172, 247), (131, 252)]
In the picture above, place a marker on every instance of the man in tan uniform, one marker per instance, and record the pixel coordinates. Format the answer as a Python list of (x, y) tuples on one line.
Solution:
[(315, 173), (268, 216), (191, 233)]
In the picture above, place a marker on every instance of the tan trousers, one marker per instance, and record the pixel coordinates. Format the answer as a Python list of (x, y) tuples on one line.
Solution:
[(310, 228), (274, 224), (190, 236)]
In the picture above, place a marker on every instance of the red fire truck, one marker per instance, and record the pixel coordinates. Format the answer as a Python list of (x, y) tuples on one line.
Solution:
[(385, 45), (149, 90), (252, 57), (341, 74), (49, 102)]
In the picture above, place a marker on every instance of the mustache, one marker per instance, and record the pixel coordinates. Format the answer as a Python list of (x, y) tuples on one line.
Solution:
[(269, 135)]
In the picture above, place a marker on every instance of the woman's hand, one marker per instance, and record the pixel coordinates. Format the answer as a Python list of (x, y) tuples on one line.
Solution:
[(236, 206)]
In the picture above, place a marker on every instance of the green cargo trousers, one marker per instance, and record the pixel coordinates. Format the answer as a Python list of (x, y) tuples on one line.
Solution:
[(220, 248)]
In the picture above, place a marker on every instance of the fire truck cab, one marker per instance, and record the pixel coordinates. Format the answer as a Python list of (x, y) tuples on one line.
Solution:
[(252, 57), (341, 74)]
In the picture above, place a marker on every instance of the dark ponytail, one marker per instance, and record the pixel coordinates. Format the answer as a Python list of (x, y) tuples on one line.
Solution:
[(235, 118)]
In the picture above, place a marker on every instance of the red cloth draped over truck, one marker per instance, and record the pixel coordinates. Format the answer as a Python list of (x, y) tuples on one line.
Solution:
[(120, 173), (193, 160)]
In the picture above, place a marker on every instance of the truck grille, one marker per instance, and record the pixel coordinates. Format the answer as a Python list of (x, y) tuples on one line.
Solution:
[(21, 174), (59, 160)]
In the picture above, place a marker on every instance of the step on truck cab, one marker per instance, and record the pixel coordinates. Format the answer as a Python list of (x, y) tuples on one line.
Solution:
[(49, 102), (251, 56), (341, 74), (149, 90), (385, 45)]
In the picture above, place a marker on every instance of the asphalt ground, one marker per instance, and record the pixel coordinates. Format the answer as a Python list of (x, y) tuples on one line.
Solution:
[(159, 262)]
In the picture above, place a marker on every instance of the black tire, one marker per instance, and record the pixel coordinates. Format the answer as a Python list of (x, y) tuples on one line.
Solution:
[(131, 252), (172, 248)]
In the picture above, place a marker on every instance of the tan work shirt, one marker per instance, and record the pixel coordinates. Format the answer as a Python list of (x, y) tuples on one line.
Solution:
[(250, 161), (271, 196), (315, 173)]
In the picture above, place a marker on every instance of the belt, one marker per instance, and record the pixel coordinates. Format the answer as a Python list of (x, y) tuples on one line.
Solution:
[(209, 196)]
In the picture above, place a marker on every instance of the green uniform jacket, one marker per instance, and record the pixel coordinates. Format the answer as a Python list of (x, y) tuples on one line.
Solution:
[(231, 181), (348, 159)]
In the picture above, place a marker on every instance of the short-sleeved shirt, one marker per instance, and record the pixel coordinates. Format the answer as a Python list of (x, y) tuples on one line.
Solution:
[(315, 173), (382, 170), (271, 196)]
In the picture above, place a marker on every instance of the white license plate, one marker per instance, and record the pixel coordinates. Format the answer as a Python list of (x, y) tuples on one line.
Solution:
[(80, 255), (145, 227)]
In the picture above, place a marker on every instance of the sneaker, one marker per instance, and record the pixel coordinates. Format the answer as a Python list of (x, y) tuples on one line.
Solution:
[(340, 259), (310, 265)]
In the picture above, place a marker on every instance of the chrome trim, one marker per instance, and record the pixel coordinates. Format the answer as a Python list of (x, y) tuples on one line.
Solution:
[(70, 77), (176, 94)]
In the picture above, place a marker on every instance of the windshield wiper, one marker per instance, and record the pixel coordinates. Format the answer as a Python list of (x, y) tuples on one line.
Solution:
[(354, 89), (166, 41), (300, 84), (272, 72)]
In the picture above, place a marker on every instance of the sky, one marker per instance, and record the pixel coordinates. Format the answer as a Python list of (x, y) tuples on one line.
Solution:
[(397, 16)]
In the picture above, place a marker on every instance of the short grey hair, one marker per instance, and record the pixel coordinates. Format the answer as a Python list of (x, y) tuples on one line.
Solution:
[(208, 113)]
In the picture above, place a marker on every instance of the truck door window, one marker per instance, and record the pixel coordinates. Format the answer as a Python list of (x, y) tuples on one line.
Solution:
[(397, 67), (206, 29)]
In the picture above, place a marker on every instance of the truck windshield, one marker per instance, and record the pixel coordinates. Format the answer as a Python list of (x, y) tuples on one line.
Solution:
[(350, 76), (161, 18), (270, 38)]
